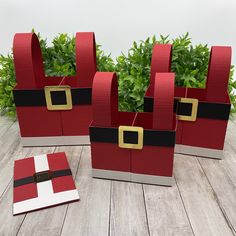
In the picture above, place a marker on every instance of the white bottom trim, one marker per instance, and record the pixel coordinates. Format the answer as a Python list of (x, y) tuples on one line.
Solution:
[(55, 141), (138, 178), (153, 179), (110, 174), (199, 151), (45, 201)]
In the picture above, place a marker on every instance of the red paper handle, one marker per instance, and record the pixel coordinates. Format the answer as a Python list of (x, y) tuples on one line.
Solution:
[(105, 99), (218, 74), (28, 61), (161, 62), (85, 58), (163, 101)]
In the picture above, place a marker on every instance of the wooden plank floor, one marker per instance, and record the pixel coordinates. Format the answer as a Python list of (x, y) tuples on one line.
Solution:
[(202, 201)]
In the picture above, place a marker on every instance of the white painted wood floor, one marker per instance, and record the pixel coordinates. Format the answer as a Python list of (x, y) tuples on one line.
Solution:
[(202, 201)]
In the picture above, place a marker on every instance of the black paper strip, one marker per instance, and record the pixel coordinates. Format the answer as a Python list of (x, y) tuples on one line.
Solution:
[(150, 137), (31, 179), (215, 111), (36, 97)]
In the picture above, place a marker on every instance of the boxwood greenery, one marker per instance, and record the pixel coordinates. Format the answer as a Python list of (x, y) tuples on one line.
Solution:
[(189, 63)]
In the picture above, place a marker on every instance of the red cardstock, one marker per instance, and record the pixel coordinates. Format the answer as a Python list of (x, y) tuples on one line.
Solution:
[(208, 131), (32, 194), (153, 163), (35, 120)]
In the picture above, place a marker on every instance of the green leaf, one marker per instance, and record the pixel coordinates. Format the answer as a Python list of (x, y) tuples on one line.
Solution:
[(189, 62)]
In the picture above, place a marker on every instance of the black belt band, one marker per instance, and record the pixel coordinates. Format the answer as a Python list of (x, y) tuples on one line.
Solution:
[(41, 177), (215, 111), (150, 137), (80, 96)]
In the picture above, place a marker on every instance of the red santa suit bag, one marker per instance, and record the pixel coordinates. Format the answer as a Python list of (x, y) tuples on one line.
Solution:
[(136, 147), (203, 113), (53, 110)]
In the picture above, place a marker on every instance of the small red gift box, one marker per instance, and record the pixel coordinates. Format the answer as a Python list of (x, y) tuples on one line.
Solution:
[(53, 110), (42, 181), (136, 147), (202, 113)]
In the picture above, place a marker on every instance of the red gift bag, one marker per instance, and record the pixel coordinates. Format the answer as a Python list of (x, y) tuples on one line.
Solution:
[(53, 110), (130, 146), (202, 113)]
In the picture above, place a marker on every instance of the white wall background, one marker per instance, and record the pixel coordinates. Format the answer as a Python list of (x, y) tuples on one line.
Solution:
[(118, 23)]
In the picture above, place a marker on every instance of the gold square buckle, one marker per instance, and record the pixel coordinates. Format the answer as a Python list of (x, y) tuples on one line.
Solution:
[(193, 115), (53, 107), (121, 142)]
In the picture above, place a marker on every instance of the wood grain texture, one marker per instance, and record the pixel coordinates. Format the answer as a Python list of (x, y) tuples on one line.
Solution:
[(9, 142), (230, 149), (218, 174), (5, 124), (202, 202), (9, 224), (233, 118), (231, 135), (128, 215), (9, 145), (164, 208), (43, 225), (199, 199), (91, 215)]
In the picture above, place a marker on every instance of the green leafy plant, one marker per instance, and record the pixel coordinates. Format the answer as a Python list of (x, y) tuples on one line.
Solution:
[(7, 83), (134, 72), (189, 63), (58, 59)]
